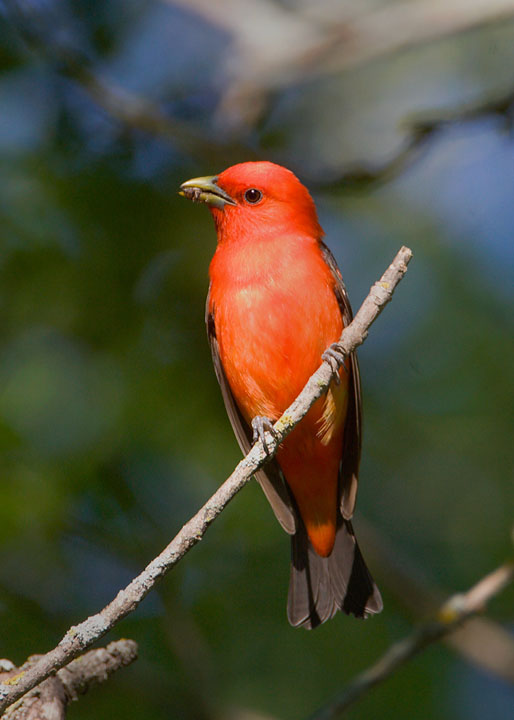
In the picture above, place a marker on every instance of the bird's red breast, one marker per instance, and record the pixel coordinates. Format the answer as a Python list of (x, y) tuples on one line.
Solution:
[(276, 312)]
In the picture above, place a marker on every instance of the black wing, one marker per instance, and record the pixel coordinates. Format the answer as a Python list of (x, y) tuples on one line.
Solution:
[(349, 472)]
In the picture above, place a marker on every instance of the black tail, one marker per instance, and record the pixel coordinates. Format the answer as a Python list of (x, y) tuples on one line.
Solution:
[(319, 586)]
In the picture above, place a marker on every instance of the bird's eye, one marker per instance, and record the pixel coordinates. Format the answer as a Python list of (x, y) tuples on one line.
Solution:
[(253, 196)]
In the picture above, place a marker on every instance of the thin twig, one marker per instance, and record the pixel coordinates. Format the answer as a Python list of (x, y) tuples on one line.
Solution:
[(81, 636), (452, 614)]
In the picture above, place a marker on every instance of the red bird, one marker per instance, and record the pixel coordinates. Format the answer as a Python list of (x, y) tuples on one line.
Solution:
[(276, 303)]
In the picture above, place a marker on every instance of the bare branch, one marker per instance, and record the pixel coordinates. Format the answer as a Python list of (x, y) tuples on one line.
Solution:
[(49, 700), (81, 636), (480, 641), (95, 666), (451, 616), (420, 131)]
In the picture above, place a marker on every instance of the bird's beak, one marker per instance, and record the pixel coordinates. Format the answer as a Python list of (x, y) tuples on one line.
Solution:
[(206, 190)]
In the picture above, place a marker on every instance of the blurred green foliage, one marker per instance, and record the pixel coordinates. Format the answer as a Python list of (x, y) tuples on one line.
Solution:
[(112, 429)]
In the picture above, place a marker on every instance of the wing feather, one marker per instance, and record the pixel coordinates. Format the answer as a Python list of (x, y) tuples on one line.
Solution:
[(352, 442)]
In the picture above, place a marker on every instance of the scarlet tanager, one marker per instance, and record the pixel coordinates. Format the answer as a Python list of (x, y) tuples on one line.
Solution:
[(276, 303)]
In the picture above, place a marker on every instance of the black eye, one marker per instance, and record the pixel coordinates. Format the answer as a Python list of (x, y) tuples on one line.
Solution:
[(253, 196)]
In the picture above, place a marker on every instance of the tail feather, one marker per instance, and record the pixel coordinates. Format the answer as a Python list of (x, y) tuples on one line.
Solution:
[(319, 586)]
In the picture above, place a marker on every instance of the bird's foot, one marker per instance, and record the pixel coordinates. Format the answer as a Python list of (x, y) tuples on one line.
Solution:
[(260, 425), (336, 358)]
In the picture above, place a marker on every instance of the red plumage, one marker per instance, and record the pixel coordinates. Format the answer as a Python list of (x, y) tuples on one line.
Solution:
[(276, 303)]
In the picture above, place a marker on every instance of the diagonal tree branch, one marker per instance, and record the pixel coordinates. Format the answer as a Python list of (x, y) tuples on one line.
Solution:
[(450, 617), (81, 636)]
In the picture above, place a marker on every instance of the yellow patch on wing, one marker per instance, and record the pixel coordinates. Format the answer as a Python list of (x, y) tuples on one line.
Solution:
[(334, 411)]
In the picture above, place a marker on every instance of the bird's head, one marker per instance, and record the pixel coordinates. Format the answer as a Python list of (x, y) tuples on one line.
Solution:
[(256, 200)]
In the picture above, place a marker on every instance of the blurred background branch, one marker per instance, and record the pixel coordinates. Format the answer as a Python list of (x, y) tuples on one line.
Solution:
[(354, 33), (455, 611), (420, 131), (134, 112), (307, 41), (480, 641)]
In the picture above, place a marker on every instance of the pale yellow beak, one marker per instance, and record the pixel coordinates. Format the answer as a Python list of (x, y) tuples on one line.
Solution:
[(206, 190)]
